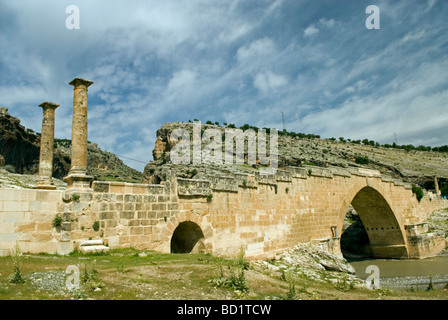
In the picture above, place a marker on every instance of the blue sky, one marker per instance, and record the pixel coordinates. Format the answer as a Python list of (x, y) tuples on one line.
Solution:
[(234, 61)]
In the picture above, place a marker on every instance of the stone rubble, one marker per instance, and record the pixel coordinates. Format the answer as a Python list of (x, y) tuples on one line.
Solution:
[(312, 262)]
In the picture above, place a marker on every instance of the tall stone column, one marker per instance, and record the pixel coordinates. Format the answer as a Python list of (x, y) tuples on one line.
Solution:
[(77, 177), (436, 185), (45, 180)]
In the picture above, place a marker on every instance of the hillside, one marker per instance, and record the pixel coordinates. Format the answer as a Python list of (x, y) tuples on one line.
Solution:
[(414, 166), (20, 148)]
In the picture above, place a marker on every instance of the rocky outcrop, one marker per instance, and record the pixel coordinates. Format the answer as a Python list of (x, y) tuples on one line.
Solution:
[(18, 146), (418, 167), (313, 262)]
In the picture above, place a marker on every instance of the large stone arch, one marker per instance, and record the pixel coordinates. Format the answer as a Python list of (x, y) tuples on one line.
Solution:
[(384, 229)]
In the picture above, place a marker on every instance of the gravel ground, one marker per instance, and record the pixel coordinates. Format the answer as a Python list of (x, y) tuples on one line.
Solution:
[(51, 281), (416, 283)]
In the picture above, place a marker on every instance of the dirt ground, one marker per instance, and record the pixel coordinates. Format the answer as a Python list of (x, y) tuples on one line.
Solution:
[(128, 274)]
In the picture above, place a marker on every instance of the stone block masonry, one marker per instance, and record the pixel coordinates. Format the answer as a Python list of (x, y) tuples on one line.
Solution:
[(263, 215)]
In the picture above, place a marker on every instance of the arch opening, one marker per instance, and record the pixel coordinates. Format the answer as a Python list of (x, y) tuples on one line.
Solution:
[(374, 231), (187, 238), (355, 243)]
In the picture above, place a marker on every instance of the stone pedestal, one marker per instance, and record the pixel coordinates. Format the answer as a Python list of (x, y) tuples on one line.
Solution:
[(77, 178), (46, 147)]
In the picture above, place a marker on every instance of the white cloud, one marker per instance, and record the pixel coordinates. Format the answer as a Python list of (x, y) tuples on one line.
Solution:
[(260, 47), (327, 23), (311, 30), (181, 79), (268, 81)]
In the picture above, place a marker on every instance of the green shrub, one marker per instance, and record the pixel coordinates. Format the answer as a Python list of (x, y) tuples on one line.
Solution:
[(292, 291), (96, 225), (431, 285), (418, 192), (444, 191), (209, 197), (57, 221), (362, 160), (242, 261), (238, 283), (16, 256)]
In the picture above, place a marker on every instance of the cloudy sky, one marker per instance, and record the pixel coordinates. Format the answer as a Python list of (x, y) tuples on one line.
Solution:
[(234, 61)]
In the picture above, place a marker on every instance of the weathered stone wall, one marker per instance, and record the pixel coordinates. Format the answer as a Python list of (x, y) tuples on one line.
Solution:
[(26, 217), (261, 214)]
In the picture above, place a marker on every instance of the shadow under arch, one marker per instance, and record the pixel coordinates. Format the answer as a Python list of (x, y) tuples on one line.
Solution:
[(187, 237), (383, 229)]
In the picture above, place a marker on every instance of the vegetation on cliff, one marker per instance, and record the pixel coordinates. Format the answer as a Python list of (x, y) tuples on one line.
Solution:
[(415, 165)]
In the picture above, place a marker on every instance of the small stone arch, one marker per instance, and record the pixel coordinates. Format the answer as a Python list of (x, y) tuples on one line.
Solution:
[(187, 238)]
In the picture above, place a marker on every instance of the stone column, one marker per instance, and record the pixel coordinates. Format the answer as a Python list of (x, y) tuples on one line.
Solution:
[(77, 177), (46, 147), (436, 185)]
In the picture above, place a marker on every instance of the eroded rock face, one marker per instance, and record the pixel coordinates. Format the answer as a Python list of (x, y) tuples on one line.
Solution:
[(417, 167), (18, 146), (164, 144), (314, 262), (306, 255)]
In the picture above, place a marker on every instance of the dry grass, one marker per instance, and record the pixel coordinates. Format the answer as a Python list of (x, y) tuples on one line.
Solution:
[(124, 275)]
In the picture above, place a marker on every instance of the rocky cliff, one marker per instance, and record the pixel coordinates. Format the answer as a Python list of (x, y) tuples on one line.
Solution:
[(20, 149), (414, 166), (18, 146)]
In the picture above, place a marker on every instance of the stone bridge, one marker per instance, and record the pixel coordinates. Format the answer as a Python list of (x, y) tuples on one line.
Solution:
[(261, 214)]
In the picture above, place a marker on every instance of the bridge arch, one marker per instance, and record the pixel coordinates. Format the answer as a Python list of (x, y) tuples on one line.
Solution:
[(187, 237), (384, 230)]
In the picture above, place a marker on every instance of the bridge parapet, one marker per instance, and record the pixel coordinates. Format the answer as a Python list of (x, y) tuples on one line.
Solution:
[(233, 181), (297, 172), (338, 171), (193, 187), (318, 171), (127, 188)]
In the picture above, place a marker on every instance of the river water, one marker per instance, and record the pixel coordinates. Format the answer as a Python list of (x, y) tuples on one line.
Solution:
[(405, 274)]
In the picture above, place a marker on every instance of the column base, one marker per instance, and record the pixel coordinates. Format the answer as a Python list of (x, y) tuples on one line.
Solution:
[(79, 182), (45, 185)]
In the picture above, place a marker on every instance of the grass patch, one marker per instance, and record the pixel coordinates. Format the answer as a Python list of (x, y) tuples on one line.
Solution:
[(130, 274)]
